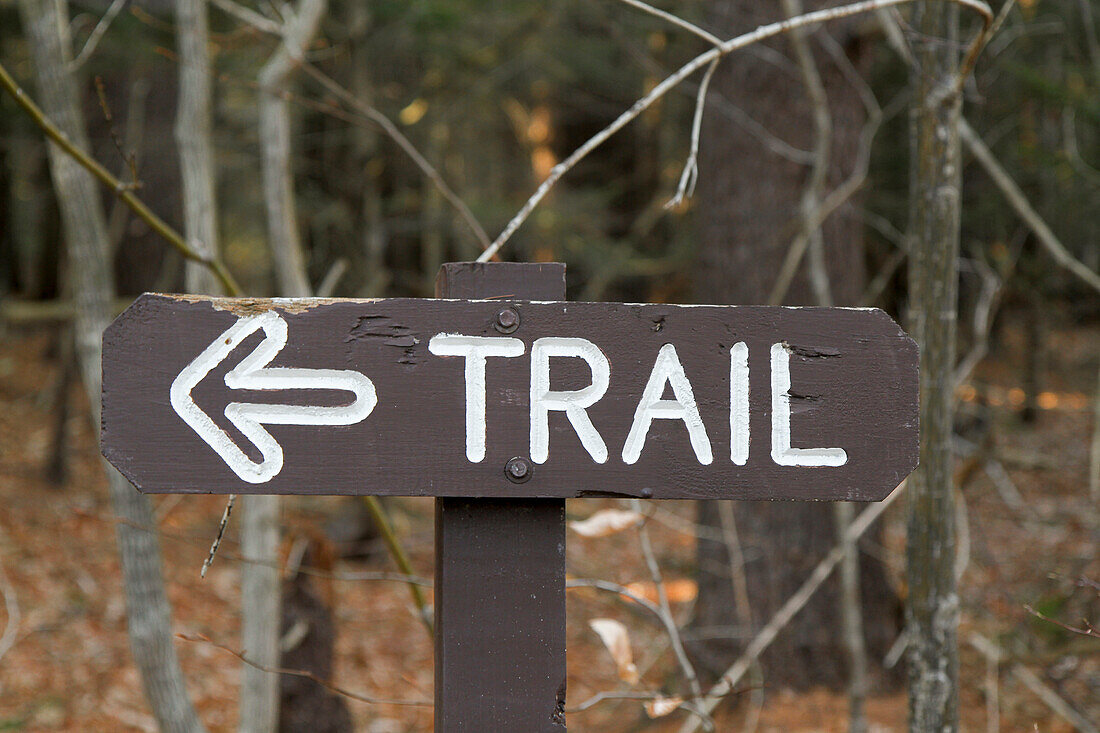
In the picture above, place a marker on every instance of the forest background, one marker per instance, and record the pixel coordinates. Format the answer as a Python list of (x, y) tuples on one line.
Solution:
[(349, 149)]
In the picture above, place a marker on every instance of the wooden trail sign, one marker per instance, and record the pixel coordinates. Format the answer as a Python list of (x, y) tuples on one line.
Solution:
[(436, 397), (502, 400)]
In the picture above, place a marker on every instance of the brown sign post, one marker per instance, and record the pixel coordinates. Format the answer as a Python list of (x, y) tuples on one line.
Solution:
[(501, 399)]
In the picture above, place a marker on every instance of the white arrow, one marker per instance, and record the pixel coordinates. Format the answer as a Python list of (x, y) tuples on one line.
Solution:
[(253, 373)]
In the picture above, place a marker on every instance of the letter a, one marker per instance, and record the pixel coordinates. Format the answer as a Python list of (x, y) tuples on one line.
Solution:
[(667, 370)]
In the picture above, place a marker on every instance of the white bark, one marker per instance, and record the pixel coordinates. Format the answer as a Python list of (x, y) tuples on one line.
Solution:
[(278, 180), (260, 610), (260, 603), (46, 25), (194, 142)]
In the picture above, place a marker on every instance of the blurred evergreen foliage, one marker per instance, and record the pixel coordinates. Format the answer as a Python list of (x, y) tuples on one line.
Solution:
[(494, 93)]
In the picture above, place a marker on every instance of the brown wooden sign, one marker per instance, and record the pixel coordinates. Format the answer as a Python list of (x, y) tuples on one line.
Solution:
[(508, 398)]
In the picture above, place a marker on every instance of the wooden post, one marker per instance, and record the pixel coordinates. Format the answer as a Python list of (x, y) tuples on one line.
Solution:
[(500, 572)]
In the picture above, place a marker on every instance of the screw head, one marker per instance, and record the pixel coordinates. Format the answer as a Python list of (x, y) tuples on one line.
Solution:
[(518, 470), (507, 320)]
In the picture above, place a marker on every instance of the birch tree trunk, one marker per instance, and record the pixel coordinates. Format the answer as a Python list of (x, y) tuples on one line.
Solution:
[(260, 605), (932, 608), (278, 178), (193, 141), (46, 24)]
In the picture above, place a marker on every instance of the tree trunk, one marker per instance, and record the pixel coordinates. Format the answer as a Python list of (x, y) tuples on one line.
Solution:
[(260, 603), (275, 123), (309, 639), (749, 202), (260, 612), (26, 213), (932, 610), (200, 218), (46, 25)]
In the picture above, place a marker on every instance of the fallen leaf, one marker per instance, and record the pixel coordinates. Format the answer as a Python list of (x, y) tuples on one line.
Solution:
[(606, 522), (617, 640), (659, 707)]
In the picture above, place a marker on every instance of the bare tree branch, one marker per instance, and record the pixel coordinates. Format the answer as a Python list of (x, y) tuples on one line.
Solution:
[(96, 35), (690, 174), (1033, 683), (357, 696), (793, 605), (385, 527), (822, 137), (218, 536), (983, 310), (621, 590), (702, 60), (1023, 208), (402, 142), (261, 23), (120, 189), (666, 612), (675, 20), (248, 16)]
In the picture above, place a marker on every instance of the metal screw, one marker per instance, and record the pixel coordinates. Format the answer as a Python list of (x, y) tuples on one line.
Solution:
[(517, 470), (507, 320)]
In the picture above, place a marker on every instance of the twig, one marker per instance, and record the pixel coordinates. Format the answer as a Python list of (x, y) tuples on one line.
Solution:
[(833, 201), (1002, 16), (354, 577), (332, 278), (740, 584), (605, 695), (357, 696), (700, 61), (385, 527), (962, 531), (1018, 201), (1069, 135), (992, 678), (620, 590), (675, 20), (882, 278), (822, 136), (96, 35), (793, 605), (132, 137), (1086, 630), (402, 142), (690, 174), (983, 309), (737, 563), (685, 526), (1033, 683), (119, 188), (666, 609), (266, 25), (218, 537), (248, 16), (1006, 488), (129, 159)]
